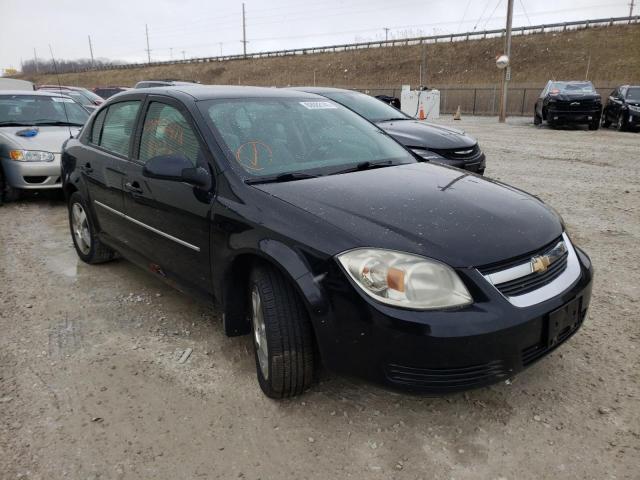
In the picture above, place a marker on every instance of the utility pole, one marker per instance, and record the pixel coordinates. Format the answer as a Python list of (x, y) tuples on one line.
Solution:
[(631, 9), (171, 53), (386, 34), (91, 51), (184, 57), (244, 34), (506, 75), (146, 29), (35, 59), (220, 48)]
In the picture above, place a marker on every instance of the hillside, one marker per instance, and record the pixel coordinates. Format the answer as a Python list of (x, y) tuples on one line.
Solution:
[(611, 54)]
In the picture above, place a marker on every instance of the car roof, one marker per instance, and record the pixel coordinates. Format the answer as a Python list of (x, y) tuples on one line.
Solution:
[(40, 93), (59, 87), (211, 92), (321, 90)]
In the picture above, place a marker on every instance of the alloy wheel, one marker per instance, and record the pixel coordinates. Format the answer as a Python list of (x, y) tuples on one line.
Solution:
[(80, 227), (259, 332)]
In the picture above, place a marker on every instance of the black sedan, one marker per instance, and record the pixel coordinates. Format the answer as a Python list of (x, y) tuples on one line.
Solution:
[(623, 108), (429, 141), (568, 103), (324, 238)]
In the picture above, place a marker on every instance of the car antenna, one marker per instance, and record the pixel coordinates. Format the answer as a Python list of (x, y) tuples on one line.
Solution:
[(64, 106)]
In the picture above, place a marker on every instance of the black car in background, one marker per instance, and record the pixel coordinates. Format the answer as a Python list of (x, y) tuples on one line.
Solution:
[(623, 108), (106, 92), (429, 141), (324, 238), (568, 103), (162, 83)]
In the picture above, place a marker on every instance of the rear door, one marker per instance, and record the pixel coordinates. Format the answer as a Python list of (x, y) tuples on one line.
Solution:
[(170, 219), (108, 148)]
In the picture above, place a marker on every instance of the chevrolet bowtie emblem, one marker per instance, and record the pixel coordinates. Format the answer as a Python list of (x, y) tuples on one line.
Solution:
[(540, 264)]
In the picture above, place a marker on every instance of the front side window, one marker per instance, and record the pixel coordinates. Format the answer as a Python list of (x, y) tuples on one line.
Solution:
[(284, 135), (118, 127), (33, 110), (167, 132)]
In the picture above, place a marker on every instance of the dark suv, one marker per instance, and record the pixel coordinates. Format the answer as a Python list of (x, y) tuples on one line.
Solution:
[(566, 103), (623, 108), (324, 238)]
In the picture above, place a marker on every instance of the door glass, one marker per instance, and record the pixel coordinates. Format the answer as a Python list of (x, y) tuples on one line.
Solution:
[(96, 129), (118, 127), (167, 132)]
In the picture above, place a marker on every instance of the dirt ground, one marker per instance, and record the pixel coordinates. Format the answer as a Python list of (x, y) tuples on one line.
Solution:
[(91, 386)]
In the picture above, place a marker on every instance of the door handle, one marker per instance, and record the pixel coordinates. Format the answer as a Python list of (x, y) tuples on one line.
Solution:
[(133, 187)]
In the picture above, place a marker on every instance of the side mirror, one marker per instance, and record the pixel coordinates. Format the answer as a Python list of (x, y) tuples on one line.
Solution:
[(176, 168)]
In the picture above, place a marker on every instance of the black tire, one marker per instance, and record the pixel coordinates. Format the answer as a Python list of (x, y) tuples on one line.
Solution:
[(604, 121), (290, 354), (537, 119), (595, 124), (97, 252), (620, 124), (7, 192)]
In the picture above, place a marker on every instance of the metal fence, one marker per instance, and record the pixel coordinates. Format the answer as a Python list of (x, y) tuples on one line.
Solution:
[(453, 37), (483, 100)]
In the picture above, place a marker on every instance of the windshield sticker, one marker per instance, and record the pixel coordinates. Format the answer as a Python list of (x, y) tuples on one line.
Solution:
[(317, 105), (62, 99)]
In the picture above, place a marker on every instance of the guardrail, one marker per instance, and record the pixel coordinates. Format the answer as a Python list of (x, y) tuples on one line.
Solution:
[(453, 37)]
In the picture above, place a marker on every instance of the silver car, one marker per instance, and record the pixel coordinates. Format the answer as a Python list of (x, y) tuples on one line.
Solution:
[(33, 127)]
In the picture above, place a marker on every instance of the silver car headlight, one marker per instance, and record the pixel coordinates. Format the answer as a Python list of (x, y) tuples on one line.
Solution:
[(405, 280), (427, 154), (31, 156)]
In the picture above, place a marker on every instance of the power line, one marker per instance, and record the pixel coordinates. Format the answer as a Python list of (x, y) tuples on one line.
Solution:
[(525, 12), (464, 14), (489, 17)]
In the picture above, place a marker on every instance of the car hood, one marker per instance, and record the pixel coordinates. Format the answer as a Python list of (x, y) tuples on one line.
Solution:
[(439, 212), (414, 133), (48, 139)]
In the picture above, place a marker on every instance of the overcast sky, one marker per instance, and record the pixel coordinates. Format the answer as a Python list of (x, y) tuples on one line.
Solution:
[(196, 28)]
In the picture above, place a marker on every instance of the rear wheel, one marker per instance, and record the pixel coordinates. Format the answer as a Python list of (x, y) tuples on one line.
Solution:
[(282, 335), (85, 239)]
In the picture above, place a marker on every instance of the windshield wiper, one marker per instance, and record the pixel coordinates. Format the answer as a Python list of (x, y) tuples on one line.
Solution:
[(15, 124), (283, 177), (58, 123), (365, 166), (393, 119)]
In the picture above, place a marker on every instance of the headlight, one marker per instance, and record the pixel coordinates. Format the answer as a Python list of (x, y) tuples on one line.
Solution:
[(427, 154), (405, 280), (31, 156), (634, 108)]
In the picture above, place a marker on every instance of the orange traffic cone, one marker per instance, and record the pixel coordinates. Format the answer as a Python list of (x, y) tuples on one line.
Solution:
[(421, 113)]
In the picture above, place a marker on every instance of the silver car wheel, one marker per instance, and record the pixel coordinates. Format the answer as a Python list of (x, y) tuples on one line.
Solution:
[(80, 227), (259, 332)]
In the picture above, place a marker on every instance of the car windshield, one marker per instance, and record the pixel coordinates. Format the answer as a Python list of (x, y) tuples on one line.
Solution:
[(573, 87), (31, 110), (633, 94), (278, 136), (370, 108)]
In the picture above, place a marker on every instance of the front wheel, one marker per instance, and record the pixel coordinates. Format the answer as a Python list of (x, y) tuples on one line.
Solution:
[(85, 238), (537, 119), (282, 335)]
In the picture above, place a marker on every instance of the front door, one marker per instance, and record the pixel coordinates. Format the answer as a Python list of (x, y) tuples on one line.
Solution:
[(170, 220)]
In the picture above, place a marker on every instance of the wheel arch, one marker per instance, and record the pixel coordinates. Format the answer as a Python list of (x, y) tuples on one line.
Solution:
[(274, 254)]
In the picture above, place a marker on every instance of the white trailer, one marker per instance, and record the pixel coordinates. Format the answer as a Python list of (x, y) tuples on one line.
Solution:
[(421, 104)]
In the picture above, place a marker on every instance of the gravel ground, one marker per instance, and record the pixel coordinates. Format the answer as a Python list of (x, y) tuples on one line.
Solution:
[(91, 386)]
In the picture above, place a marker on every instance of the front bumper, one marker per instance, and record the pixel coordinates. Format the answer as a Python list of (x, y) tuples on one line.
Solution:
[(444, 351), (33, 175), (476, 164), (564, 116)]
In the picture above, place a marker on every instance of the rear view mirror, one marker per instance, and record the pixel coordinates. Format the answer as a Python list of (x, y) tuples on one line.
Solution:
[(176, 168)]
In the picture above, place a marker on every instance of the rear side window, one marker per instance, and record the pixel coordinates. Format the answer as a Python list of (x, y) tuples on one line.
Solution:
[(96, 128), (118, 127), (167, 132)]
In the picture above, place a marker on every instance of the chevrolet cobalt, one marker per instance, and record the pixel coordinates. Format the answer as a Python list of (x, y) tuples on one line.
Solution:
[(324, 238)]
